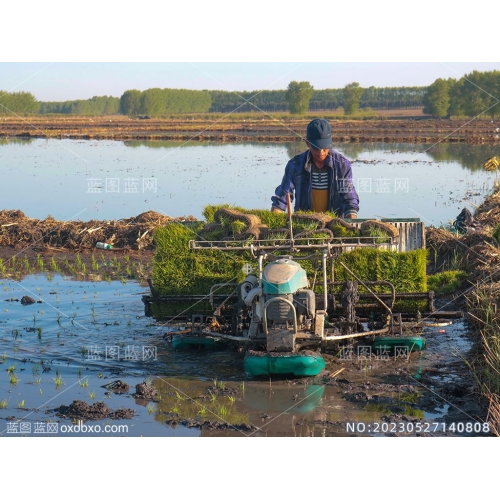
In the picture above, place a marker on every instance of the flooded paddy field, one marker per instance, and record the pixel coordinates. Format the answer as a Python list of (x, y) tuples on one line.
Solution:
[(86, 338), (88, 353), (112, 180)]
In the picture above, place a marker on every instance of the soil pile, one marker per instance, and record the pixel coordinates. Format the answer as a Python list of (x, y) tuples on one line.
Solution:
[(19, 231), (145, 391), (118, 387), (98, 411)]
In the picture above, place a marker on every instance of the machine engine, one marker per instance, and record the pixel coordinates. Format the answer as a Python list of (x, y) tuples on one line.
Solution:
[(281, 306)]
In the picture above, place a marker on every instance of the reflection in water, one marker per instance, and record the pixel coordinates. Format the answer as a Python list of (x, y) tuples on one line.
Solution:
[(469, 156), (15, 140), (292, 400), (180, 179)]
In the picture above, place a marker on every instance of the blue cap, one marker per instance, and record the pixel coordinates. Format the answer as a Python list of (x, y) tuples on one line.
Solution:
[(319, 134)]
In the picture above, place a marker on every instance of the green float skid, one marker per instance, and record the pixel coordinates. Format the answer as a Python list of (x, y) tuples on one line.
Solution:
[(390, 343), (283, 364)]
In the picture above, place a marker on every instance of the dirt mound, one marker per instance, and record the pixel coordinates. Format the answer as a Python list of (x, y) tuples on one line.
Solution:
[(211, 425), (97, 411), (145, 391), (118, 387), (136, 233)]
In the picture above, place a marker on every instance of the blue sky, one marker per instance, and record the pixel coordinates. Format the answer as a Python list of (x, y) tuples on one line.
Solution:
[(60, 81)]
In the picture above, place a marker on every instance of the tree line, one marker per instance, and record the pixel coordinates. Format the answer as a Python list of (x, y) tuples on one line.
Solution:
[(97, 105), (161, 102), (473, 95), (476, 94), (318, 100), (18, 102)]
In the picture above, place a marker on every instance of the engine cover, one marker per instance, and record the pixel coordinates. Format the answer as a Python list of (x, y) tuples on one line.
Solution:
[(283, 277)]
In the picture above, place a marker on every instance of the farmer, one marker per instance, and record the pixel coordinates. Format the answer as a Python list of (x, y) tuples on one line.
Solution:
[(319, 179)]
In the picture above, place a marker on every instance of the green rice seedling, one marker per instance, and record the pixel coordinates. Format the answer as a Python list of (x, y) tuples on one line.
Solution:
[(202, 412), (35, 369), (92, 395), (99, 375), (83, 383), (11, 369), (237, 226), (243, 387), (21, 404), (40, 263), (222, 411), (175, 410), (53, 265), (232, 399), (178, 396), (58, 381), (3, 404), (39, 333), (222, 385), (38, 380), (213, 397), (93, 263), (73, 316), (151, 408), (3, 269), (15, 333), (4, 357), (13, 380)]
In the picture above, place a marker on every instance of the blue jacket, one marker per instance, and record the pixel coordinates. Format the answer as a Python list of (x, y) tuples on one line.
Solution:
[(343, 199)]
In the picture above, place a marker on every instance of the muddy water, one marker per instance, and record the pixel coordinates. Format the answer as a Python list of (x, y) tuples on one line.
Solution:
[(86, 335)]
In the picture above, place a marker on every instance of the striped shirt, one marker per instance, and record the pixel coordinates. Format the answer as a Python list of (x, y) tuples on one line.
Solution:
[(320, 188)]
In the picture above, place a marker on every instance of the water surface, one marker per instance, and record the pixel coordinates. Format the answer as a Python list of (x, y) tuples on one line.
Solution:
[(113, 179)]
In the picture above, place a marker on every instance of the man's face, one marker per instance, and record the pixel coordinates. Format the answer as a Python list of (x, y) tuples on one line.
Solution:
[(318, 154)]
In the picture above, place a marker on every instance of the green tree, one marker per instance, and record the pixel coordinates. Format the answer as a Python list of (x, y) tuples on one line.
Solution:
[(18, 102), (297, 96), (352, 96), (130, 102), (437, 99)]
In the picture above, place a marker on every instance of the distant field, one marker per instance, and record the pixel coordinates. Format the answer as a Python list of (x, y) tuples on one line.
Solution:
[(392, 126)]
